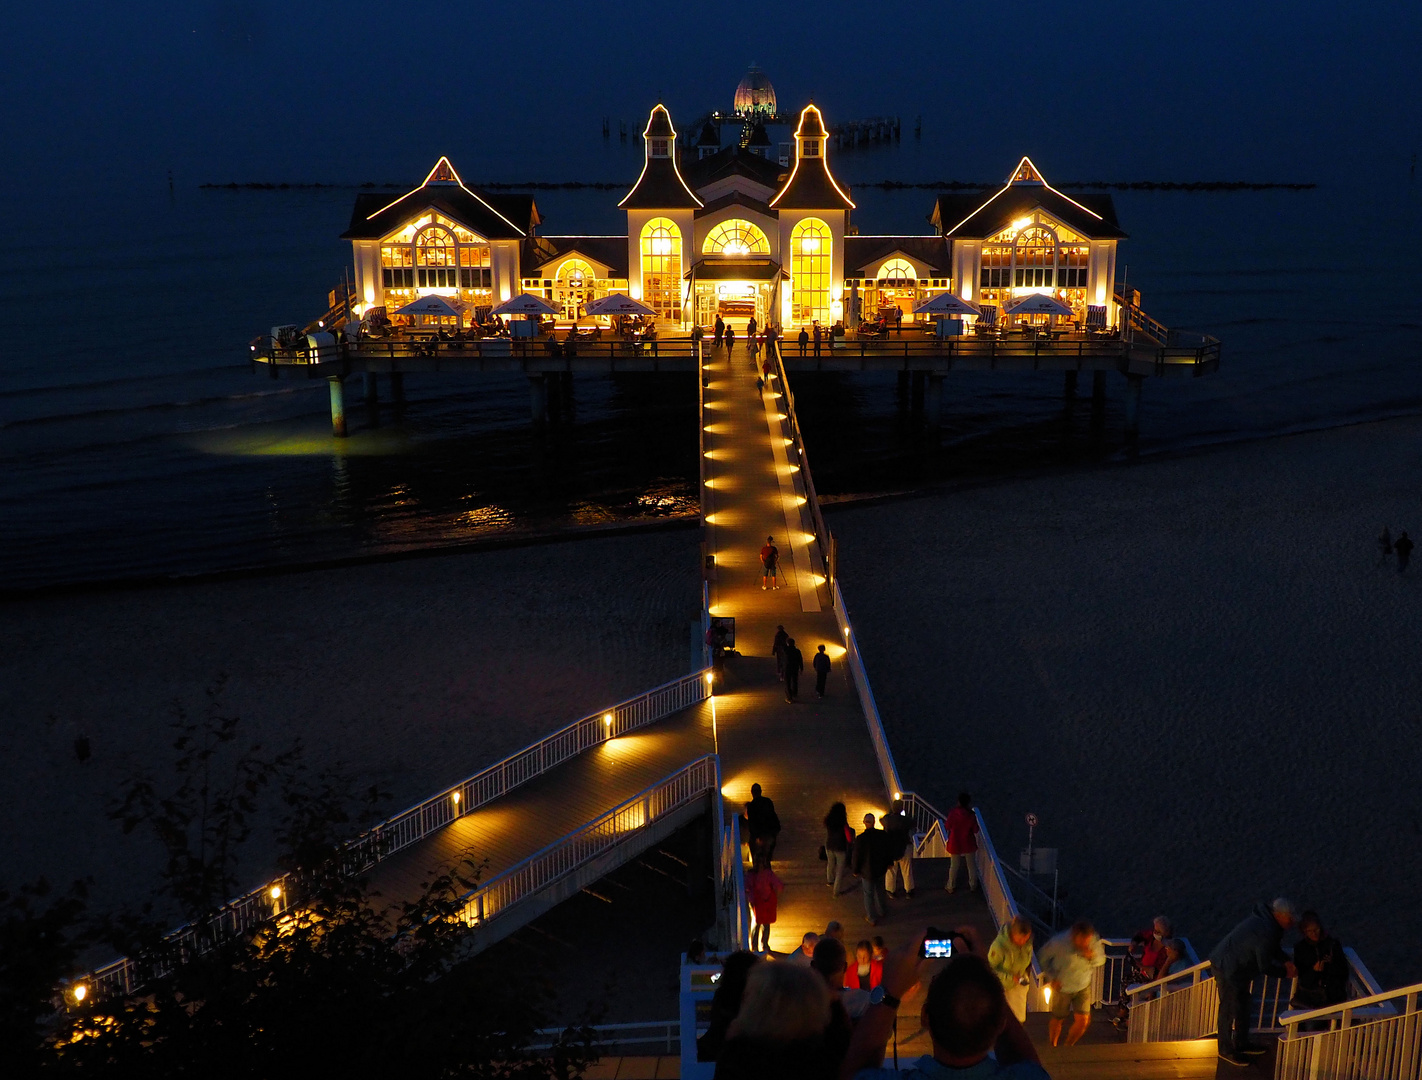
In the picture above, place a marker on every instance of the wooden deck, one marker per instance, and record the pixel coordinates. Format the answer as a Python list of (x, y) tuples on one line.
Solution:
[(807, 755), (529, 818)]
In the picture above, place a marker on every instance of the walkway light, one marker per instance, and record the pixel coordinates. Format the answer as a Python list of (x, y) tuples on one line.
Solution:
[(79, 991), (455, 797), (274, 892), (710, 678), (1047, 994), (607, 720)]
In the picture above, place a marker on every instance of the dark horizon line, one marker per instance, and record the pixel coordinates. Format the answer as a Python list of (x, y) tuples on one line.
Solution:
[(884, 185)]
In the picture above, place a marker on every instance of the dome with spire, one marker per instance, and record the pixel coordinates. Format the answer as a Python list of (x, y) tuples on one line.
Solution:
[(755, 96)]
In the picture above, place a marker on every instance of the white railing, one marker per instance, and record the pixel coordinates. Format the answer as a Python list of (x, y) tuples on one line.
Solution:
[(125, 975), (822, 534), (734, 903), (888, 771), (1378, 1037), (563, 856), (650, 1036), (698, 987)]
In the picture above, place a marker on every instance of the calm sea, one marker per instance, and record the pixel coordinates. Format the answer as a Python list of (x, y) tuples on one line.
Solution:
[(135, 440)]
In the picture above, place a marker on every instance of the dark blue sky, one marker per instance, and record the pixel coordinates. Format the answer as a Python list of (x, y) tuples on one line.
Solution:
[(261, 89)]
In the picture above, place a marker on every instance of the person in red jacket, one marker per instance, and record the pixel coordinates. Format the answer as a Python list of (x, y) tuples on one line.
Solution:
[(866, 972), (961, 827), (763, 889)]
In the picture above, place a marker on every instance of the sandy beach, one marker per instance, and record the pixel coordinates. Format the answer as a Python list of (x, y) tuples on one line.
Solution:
[(1194, 670)]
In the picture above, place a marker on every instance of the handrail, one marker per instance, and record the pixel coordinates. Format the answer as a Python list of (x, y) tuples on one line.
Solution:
[(1155, 984), (548, 349), (1327, 1011), (419, 821), (573, 850), (888, 771), (733, 887), (812, 498)]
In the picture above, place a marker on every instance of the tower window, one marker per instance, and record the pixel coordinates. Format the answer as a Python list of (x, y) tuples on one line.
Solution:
[(812, 148), (661, 147)]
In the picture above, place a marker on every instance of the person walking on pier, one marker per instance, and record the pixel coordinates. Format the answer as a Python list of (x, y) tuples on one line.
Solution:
[(1403, 547), (821, 664), (1251, 949), (761, 827), (794, 664), (763, 888), (1010, 957), (1068, 962), (839, 839), (777, 649), (898, 828), (804, 339), (961, 828), (730, 340), (769, 565), (869, 861), (720, 332)]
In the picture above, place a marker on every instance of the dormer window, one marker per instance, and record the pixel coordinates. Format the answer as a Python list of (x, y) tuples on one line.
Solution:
[(812, 148), (661, 148)]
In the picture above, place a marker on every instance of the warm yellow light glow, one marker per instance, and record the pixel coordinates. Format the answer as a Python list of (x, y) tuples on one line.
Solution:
[(809, 244), (80, 991), (710, 678), (1021, 223), (455, 798), (1047, 994), (787, 442), (799, 500), (607, 719), (846, 631), (661, 245), (274, 892)]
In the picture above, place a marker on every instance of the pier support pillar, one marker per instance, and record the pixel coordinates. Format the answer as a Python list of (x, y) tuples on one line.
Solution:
[(1133, 407), (933, 401), (1069, 386), (916, 398), (1098, 398), (372, 389), (397, 388), (338, 406), (538, 398)]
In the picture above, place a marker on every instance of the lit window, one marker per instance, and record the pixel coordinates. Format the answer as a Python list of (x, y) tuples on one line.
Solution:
[(812, 148), (736, 237), (661, 268), (810, 271), (438, 255), (661, 147)]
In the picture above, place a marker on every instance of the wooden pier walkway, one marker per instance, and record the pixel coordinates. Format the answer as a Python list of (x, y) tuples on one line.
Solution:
[(810, 754)]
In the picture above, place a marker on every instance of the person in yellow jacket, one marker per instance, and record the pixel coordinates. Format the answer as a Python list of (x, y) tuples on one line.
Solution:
[(1010, 957)]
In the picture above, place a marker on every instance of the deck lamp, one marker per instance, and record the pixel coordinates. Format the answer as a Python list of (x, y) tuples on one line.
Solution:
[(79, 991), (455, 797), (607, 719), (710, 678), (275, 892)]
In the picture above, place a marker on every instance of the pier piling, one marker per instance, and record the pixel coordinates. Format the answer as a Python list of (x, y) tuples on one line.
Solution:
[(372, 389), (397, 389), (933, 402), (1069, 387), (538, 399), (338, 406)]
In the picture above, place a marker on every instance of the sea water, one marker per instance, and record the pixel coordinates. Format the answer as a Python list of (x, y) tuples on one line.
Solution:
[(137, 440)]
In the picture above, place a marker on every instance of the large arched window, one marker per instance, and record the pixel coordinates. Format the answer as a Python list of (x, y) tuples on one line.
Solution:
[(810, 244), (435, 253), (576, 284), (898, 272), (736, 237), (661, 268), (1034, 258)]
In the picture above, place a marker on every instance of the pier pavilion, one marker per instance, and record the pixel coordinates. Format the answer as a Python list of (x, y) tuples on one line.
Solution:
[(730, 233)]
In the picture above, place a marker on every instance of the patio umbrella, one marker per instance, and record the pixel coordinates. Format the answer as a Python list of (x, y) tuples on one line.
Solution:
[(1037, 304), (945, 304), (430, 305), (618, 304), (526, 304)]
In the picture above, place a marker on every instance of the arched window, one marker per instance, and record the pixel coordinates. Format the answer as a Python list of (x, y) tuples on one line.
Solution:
[(436, 254), (810, 243), (898, 272), (576, 285), (1034, 258), (736, 237), (661, 268)]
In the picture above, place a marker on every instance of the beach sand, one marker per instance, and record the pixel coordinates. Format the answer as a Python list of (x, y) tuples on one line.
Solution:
[(1194, 670), (412, 674)]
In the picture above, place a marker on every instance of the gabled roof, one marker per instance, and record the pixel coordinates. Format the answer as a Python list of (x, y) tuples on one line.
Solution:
[(733, 161), (737, 198), (660, 187), (610, 251), (863, 255), (740, 268), (989, 212), (709, 135), (810, 185), (494, 217)]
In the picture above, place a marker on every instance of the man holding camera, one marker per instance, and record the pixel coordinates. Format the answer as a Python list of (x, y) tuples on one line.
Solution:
[(965, 1012)]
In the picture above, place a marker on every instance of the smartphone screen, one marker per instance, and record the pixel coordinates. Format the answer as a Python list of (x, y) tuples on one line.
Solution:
[(937, 948)]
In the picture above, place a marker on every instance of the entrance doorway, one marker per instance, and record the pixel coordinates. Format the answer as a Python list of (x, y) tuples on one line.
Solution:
[(736, 302)]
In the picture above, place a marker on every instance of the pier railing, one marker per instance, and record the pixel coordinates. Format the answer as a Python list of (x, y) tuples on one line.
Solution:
[(1080, 347), (552, 353), (802, 462), (1375, 1037), (126, 974), (580, 847)]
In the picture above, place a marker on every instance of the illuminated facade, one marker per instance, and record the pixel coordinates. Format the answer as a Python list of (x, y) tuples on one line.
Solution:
[(731, 233)]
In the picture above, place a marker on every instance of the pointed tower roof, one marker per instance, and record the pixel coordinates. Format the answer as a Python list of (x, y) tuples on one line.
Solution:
[(758, 137), (1026, 190), (709, 135), (492, 217), (811, 186), (660, 187)]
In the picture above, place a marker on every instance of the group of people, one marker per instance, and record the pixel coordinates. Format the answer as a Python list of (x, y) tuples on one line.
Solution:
[(790, 661), (1401, 547), (724, 334), (815, 1015)]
